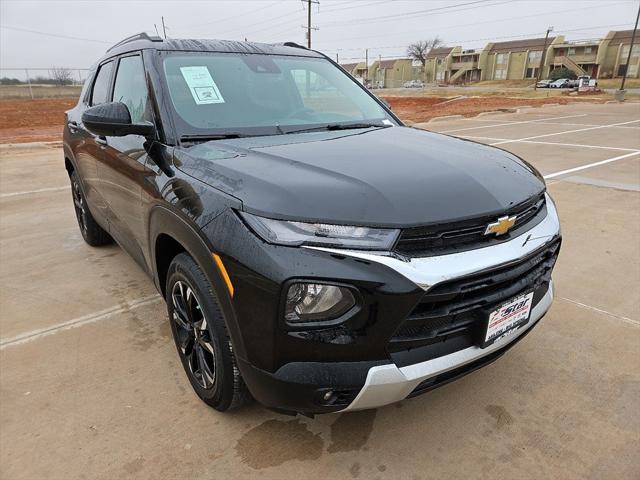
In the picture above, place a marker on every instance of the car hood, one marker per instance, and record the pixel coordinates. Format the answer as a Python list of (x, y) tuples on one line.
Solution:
[(396, 176)]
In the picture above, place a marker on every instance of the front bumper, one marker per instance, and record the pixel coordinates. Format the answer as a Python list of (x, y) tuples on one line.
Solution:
[(289, 370), (387, 384)]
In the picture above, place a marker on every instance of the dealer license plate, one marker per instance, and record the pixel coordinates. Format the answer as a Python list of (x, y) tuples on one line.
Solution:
[(507, 318)]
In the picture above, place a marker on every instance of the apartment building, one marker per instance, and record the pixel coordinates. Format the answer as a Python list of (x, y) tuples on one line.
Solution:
[(516, 60), (392, 73)]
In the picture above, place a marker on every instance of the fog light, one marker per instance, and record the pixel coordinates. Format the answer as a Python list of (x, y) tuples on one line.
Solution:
[(316, 303), (327, 395)]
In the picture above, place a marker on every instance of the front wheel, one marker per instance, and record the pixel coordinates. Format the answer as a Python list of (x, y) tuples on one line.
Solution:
[(201, 336)]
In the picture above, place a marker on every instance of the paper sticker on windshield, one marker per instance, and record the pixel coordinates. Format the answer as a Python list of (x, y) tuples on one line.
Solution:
[(203, 89)]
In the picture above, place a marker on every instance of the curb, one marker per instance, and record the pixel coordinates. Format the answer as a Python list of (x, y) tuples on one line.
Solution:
[(30, 145), (446, 117), (492, 112)]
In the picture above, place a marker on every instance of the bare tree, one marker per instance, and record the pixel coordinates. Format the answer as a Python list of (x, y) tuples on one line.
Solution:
[(419, 50), (61, 76)]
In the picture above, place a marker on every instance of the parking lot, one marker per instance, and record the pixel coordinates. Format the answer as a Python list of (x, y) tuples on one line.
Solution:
[(91, 385)]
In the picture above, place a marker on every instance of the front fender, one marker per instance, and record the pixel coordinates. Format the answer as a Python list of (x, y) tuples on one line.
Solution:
[(168, 222)]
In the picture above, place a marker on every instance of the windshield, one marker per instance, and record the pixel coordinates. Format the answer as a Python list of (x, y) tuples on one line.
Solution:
[(214, 93)]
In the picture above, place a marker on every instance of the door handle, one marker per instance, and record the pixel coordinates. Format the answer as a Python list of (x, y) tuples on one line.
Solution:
[(73, 126), (101, 140)]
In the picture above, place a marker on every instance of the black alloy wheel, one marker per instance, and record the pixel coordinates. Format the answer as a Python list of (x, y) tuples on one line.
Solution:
[(192, 335)]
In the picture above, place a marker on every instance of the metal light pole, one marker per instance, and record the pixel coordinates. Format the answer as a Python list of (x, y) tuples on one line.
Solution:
[(542, 58)]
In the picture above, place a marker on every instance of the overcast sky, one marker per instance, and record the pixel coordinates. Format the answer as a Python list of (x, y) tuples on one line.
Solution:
[(346, 28)]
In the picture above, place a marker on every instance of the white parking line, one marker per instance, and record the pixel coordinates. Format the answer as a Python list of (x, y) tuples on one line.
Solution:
[(541, 122), (30, 192), (590, 165), (551, 143), (78, 322), (563, 133), (628, 320), (512, 123)]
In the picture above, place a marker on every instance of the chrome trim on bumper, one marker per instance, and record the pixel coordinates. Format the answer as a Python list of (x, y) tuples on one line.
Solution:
[(388, 384), (428, 271)]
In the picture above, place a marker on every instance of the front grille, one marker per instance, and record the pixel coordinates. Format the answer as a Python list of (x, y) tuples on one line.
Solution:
[(468, 234), (455, 311)]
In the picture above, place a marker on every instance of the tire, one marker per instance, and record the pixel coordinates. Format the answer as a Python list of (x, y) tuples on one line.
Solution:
[(201, 336), (92, 233)]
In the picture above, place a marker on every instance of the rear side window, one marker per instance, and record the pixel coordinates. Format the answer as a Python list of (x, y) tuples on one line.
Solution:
[(131, 89), (101, 86)]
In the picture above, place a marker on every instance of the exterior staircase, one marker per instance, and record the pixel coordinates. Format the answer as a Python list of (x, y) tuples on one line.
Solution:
[(570, 64), (460, 72)]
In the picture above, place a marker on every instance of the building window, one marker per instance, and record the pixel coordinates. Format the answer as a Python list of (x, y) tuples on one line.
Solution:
[(535, 56), (587, 50), (532, 73), (633, 70), (440, 75), (625, 51), (501, 74), (621, 70), (501, 58), (439, 61), (571, 51)]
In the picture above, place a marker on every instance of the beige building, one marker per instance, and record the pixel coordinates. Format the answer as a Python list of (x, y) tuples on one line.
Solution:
[(521, 59), (392, 73), (512, 60)]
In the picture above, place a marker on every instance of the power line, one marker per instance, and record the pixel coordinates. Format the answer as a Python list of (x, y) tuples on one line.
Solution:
[(420, 13), (221, 20), (608, 5), (56, 35)]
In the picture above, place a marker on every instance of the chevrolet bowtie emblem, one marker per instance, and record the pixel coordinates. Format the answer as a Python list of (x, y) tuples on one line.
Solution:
[(501, 226)]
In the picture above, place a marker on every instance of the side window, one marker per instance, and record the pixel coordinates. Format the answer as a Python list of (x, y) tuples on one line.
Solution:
[(131, 89), (101, 85)]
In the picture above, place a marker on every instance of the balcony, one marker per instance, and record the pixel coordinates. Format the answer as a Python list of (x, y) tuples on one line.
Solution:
[(464, 65), (584, 58)]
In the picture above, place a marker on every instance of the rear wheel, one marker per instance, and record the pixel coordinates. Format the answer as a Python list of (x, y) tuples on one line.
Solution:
[(201, 336), (92, 233)]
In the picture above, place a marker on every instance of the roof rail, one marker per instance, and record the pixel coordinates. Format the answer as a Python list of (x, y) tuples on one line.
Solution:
[(294, 45), (137, 36)]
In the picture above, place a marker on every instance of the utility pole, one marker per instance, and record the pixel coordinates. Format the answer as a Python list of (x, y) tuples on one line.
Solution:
[(626, 70), (366, 64), (542, 57), (164, 28), (309, 27)]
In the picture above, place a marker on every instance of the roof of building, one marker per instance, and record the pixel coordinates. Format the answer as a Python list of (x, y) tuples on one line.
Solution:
[(387, 64), (348, 66), (623, 36), (520, 45), (439, 52)]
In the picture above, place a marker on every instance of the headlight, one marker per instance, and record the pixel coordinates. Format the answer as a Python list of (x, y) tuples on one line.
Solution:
[(283, 232), (316, 303)]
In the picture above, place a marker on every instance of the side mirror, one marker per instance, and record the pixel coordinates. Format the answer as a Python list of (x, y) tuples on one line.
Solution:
[(114, 120)]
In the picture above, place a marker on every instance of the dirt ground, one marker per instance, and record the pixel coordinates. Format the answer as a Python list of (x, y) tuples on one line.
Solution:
[(421, 109), (91, 386), (26, 120)]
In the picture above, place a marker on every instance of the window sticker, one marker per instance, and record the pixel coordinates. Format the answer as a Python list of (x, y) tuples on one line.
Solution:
[(202, 86)]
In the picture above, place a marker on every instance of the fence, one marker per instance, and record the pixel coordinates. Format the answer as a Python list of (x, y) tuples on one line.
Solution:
[(37, 83)]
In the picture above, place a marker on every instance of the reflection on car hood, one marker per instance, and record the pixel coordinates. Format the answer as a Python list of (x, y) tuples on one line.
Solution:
[(387, 177)]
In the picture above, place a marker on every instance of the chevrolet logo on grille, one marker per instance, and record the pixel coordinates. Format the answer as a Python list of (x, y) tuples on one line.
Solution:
[(501, 226)]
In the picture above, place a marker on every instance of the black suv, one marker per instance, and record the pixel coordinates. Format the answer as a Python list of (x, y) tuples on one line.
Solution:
[(313, 252)]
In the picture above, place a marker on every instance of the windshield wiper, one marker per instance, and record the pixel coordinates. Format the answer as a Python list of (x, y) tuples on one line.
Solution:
[(215, 136), (340, 126)]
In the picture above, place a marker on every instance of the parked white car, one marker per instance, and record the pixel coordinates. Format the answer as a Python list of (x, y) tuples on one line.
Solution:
[(413, 84)]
